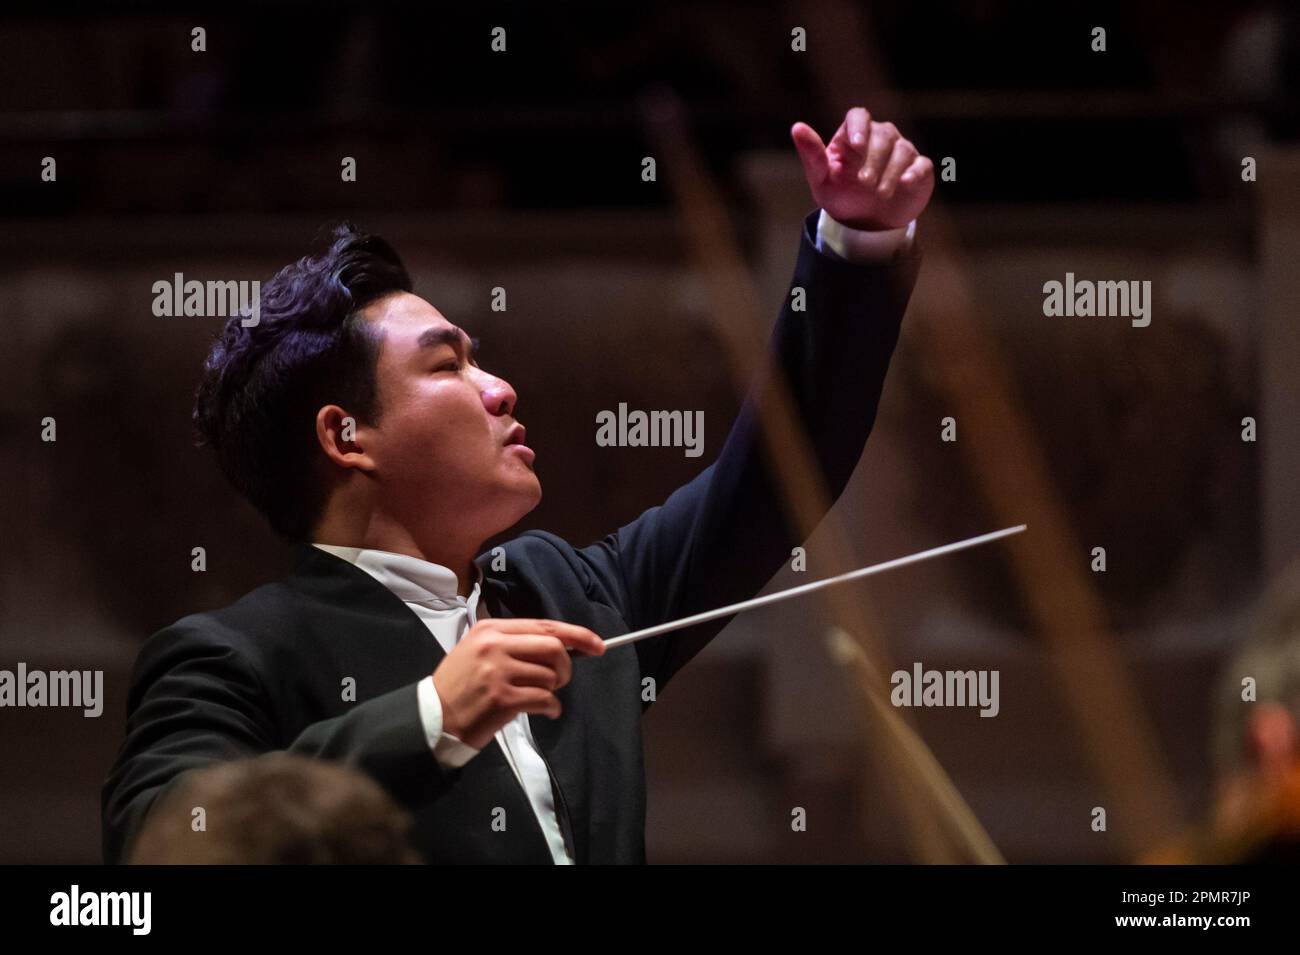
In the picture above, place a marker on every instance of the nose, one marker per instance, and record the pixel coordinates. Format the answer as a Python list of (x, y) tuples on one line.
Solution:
[(498, 397)]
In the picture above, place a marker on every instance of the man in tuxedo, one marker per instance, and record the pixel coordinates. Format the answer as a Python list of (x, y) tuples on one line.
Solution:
[(354, 416)]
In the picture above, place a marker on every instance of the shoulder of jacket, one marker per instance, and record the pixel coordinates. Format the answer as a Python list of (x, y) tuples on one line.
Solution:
[(241, 625), (538, 554)]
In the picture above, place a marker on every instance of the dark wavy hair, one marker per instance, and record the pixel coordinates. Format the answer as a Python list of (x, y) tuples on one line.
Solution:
[(263, 384)]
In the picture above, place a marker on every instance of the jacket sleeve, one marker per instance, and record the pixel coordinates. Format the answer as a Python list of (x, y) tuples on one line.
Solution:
[(721, 537), (195, 700)]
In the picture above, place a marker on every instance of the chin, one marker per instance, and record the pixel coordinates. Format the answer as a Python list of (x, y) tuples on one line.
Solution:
[(527, 495), (520, 503), (537, 493)]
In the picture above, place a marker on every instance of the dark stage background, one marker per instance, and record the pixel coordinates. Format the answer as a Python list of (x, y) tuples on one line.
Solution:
[(523, 170)]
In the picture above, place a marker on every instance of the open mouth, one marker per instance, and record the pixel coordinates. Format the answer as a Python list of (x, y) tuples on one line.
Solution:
[(515, 442)]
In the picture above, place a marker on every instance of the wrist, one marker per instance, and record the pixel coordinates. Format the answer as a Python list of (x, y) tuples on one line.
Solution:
[(448, 719), (852, 244)]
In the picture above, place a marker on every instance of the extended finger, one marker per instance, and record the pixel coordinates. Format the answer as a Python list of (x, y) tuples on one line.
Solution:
[(858, 124), (812, 153), (850, 140), (571, 635)]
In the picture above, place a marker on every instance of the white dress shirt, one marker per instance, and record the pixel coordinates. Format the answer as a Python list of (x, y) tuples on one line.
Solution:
[(431, 591)]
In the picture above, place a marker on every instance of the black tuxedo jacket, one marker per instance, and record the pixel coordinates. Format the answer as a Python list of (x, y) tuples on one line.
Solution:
[(266, 672)]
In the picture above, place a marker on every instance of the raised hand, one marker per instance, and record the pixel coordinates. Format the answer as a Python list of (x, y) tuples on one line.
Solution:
[(869, 177)]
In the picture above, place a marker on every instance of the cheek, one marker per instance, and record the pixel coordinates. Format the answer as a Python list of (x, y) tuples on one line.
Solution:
[(440, 426)]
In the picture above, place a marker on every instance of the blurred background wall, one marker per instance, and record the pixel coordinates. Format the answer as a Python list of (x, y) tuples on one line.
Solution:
[(522, 170)]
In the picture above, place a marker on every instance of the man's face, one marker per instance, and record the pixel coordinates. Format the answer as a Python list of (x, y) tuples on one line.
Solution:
[(441, 443)]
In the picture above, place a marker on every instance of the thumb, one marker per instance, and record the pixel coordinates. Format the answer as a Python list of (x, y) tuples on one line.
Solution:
[(812, 152)]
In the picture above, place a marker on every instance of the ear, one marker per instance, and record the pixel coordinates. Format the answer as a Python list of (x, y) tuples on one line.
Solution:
[(341, 437)]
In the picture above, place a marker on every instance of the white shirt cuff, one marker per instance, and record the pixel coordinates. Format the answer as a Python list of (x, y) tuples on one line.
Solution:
[(450, 752), (862, 245)]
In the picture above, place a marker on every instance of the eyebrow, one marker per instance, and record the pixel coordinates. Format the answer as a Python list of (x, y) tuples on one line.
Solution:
[(453, 336)]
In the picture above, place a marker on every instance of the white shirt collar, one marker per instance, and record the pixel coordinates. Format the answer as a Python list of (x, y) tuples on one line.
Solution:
[(410, 578)]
